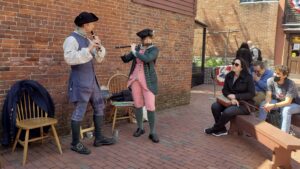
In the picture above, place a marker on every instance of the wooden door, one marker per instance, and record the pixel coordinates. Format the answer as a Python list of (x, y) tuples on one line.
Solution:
[(294, 54)]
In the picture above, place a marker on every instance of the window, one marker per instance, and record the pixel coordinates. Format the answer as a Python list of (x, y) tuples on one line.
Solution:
[(257, 1)]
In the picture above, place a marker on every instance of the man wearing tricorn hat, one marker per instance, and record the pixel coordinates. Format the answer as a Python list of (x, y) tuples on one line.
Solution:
[(143, 81), (83, 88)]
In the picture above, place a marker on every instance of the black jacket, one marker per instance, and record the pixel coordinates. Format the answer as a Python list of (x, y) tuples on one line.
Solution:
[(244, 54), (9, 114), (243, 88)]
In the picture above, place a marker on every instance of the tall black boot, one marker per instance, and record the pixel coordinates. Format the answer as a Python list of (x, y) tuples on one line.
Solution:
[(139, 120), (76, 145), (99, 138), (151, 118)]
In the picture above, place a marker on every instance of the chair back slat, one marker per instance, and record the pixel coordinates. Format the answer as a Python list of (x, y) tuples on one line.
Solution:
[(33, 107), (117, 83), (19, 113), (38, 112), (29, 106), (25, 107), (28, 109)]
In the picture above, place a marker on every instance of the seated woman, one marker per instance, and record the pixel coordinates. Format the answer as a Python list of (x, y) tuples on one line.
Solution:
[(238, 86)]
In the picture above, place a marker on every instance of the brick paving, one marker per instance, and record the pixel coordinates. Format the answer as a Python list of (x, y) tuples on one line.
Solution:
[(182, 145)]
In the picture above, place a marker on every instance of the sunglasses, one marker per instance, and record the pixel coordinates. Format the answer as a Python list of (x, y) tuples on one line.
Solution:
[(235, 64)]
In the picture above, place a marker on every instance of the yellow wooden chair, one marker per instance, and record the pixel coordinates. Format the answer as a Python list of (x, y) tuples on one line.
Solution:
[(116, 84), (31, 116)]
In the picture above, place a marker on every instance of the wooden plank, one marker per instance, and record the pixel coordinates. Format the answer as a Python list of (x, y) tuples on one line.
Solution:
[(168, 8), (164, 7), (265, 130), (173, 5), (250, 129), (191, 5), (293, 66), (190, 1)]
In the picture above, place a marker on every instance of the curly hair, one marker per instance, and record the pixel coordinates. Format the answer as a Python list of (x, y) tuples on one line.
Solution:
[(283, 69)]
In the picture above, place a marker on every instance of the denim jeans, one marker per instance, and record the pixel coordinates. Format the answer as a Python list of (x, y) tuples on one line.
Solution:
[(286, 113)]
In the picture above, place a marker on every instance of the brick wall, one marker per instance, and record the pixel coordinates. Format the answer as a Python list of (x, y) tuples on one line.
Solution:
[(32, 34), (255, 21)]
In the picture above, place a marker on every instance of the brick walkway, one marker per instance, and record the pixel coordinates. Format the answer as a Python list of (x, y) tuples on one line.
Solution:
[(183, 145)]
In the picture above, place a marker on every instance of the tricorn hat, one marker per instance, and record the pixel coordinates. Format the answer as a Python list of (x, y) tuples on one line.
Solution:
[(85, 17), (144, 33)]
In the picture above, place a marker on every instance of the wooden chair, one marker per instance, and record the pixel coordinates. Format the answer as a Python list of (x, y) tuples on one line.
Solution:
[(31, 116), (116, 84)]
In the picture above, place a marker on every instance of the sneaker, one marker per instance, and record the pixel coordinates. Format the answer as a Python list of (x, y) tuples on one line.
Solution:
[(209, 130), (220, 133), (212, 130), (138, 132), (81, 149)]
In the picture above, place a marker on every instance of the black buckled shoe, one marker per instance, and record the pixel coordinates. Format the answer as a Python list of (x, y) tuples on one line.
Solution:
[(154, 138), (81, 149), (104, 141), (138, 132)]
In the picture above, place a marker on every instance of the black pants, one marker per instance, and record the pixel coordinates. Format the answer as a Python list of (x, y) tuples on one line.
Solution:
[(223, 114)]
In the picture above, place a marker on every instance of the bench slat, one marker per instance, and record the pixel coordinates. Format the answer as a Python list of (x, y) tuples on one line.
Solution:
[(261, 131)]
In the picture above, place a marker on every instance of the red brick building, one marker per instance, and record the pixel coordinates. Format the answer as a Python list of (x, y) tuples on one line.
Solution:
[(255, 21), (32, 34), (288, 35)]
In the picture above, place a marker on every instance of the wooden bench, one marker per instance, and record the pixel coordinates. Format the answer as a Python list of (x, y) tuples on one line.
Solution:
[(281, 143)]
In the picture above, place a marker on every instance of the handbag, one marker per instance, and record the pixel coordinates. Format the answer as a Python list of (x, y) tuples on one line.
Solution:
[(250, 107), (224, 101)]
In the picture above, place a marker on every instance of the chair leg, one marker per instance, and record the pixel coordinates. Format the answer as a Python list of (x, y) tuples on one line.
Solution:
[(16, 139), (81, 133), (25, 146), (42, 134), (114, 119), (130, 114), (56, 138)]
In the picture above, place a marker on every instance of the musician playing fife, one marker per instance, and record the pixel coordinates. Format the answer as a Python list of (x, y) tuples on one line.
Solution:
[(143, 81), (83, 88)]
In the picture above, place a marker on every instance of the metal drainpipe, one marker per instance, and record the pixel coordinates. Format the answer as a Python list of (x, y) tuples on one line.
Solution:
[(203, 51)]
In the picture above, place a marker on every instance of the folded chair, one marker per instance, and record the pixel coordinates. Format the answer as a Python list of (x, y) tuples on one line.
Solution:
[(31, 116)]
